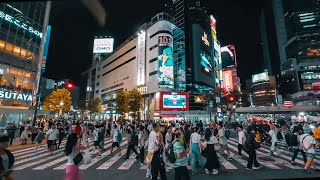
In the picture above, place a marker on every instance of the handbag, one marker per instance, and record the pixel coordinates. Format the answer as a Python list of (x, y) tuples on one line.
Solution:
[(216, 147), (77, 159), (87, 157)]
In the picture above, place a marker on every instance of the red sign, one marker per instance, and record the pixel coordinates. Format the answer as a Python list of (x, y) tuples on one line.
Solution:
[(288, 103), (227, 81)]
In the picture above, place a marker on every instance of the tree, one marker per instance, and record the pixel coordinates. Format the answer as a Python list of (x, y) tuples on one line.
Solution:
[(122, 103), (135, 103), (95, 106), (82, 106), (52, 101)]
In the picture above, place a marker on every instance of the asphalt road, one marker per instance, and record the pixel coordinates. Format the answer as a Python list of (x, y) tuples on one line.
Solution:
[(39, 166)]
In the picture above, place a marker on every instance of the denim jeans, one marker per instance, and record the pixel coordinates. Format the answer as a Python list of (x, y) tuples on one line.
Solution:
[(196, 156)]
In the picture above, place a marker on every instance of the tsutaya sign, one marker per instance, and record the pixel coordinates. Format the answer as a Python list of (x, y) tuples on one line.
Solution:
[(15, 96), (20, 24)]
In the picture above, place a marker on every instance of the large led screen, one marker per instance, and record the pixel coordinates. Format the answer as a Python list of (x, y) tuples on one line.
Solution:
[(165, 62), (174, 101), (228, 56), (205, 61)]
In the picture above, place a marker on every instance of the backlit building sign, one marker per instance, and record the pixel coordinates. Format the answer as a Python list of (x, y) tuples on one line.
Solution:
[(205, 39), (227, 81), (101, 46), (165, 61), (20, 24), (15, 96), (260, 77), (141, 56)]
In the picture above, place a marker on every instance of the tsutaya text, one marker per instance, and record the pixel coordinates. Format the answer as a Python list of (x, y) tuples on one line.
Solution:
[(15, 95)]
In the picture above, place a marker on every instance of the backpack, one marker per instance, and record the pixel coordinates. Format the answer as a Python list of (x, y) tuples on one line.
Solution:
[(279, 135), (136, 140), (170, 153), (100, 135), (119, 137), (292, 140)]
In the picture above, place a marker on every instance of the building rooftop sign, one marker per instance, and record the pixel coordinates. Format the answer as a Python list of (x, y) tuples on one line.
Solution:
[(260, 77)]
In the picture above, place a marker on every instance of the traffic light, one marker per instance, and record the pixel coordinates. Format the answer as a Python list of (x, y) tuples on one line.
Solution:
[(231, 98), (69, 85)]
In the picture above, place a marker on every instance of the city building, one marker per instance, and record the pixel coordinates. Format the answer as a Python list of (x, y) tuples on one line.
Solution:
[(154, 61), (292, 41), (263, 90), (21, 32)]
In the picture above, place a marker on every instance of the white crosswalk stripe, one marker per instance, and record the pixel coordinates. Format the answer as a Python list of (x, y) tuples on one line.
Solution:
[(40, 160)]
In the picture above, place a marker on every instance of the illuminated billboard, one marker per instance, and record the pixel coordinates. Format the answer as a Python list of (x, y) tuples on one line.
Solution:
[(205, 61), (260, 77), (174, 101), (101, 46), (165, 61), (228, 56), (227, 81), (141, 58)]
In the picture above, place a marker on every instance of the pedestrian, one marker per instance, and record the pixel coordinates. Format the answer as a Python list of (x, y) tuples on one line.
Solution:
[(133, 141), (298, 147), (195, 145), (157, 164), (39, 138), (11, 132), (52, 136), (103, 132), (96, 139), (223, 141), (251, 144), (77, 130), (115, 140), (72, 149), (317, 133), (212, 163), (308, 144), (242, 138), (61, 134), (180, 165), (6, 159), (151, 145), (272, 133), (141, 143)]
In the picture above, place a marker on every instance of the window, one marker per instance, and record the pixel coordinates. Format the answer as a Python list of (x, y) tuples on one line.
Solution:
[(153, 73), (119, 66), (2, 44), (16, 50), (97, 84), (153, 47), (98, 76), (163, 31), (153, 60), (23, 52), (97, 91), (119, 57), (9, 47)]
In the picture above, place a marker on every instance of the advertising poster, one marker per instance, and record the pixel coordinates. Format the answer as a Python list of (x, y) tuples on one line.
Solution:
[(205, 61), (141, 57), (227, 81), (101, 46), (174, 101), (46, 48), (165, 62)]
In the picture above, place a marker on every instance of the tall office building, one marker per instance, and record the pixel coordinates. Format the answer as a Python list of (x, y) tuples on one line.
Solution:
[(296, 35), (21, 33)]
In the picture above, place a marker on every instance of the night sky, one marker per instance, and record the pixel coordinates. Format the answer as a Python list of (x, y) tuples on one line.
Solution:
[(73, 30)]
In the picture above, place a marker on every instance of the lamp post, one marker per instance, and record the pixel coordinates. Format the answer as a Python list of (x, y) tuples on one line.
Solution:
[(61, 106)]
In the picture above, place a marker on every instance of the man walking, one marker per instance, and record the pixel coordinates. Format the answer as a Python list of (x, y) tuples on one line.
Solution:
[(242, 138), (115, 139), (11, 132), (133, 141), (181, 163)]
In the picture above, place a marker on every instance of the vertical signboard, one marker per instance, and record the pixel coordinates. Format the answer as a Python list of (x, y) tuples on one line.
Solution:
[(165, 61), (141, 56), (45, 50), (227, 81)]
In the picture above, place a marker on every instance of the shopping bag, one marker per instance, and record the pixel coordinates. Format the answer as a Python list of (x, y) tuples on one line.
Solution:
[(87, 157)]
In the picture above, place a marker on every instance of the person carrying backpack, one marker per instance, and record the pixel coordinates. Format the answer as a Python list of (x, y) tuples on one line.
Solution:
[(97, 138), (250, 148), (293, 140), (116, 140), (133, 141)]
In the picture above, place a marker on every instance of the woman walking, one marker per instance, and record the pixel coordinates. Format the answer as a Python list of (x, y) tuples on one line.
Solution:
[(157, 164), (212, 163), (195, 145), (72, 149)]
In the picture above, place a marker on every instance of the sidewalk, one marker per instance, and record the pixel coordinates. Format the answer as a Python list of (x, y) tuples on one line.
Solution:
[(16, 144)]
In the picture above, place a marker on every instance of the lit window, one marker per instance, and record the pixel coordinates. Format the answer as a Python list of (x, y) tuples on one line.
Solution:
[(9, 47), (2, 44), (23, 52), (16, 50)]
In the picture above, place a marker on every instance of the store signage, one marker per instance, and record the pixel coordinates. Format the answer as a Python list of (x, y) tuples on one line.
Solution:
[(288, 103), (101, 46), (205, 39), (46, 48), (143, 89), (260, 77), (141, 53), (165, 41), (20, 24), (15, 96), (227, 81)]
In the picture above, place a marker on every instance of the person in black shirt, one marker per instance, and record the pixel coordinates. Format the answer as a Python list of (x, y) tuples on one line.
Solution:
[(5, 165), (251, 142), (62, 134), (157, 164)]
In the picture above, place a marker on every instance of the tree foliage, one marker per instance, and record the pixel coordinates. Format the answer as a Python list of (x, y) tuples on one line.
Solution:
[(82, 105), (52, 101), (122, 103), (135, 103), (95, 106)]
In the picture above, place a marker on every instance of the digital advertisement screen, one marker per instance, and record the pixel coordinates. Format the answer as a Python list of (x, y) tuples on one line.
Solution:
[(228, 56), (165, 62), (174, 101), (206, 62)]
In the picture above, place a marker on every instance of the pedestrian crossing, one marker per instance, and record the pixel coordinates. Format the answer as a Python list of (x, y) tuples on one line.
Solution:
[(28, 159)]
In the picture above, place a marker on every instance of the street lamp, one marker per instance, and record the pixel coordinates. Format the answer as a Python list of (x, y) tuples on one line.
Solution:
[(61, 104)]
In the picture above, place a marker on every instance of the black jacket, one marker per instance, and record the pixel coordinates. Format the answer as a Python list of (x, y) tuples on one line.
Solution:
[(11, 160), (251, 141)]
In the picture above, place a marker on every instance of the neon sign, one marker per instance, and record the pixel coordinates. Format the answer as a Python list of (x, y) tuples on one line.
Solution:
[(20, 24), (205, 39), (15, 95)]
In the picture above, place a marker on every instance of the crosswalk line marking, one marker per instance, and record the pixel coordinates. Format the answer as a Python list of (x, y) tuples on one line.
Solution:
[(26, 150), (111, 161), (63, 166), (98, 158), (269, 165), (128, 163), (226, 163), (52, 163), (238, 159)]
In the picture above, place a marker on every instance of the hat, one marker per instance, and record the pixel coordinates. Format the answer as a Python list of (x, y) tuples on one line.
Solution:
[(4, 139)]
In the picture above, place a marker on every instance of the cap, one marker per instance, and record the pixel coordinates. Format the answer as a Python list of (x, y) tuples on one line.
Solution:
[(4, 139)]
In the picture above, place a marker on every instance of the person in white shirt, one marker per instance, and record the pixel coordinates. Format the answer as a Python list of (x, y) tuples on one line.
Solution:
[(96, 140), (168, 137), (151, 145), (308, 142), (52, 137), (272, 133), (195, 144), (242, 138), (115, 141), (223, 141)]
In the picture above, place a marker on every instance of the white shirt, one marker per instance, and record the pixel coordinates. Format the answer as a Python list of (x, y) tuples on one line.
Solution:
[(152, 140), (115, 135), (53, 134), (273, 136), (141, 138), (96, 134), (168, 138), (71, 156), (307, 140), (212, 140), (242, 137), (195, 138)]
